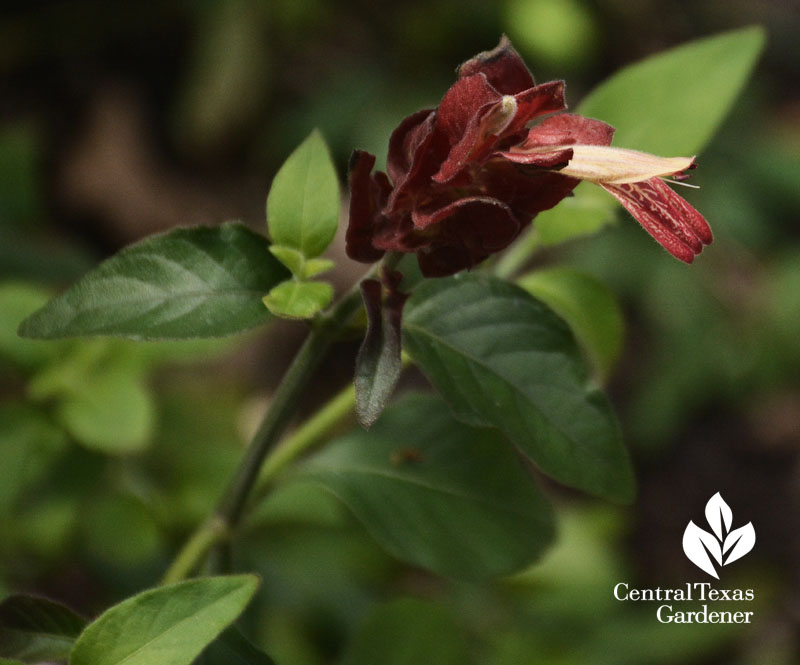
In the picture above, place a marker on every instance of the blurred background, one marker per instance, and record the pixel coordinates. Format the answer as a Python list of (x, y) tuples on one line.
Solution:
[(118, 120)]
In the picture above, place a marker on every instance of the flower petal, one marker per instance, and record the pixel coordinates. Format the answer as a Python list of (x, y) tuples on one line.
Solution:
[(536, 101), (405, 142), (467, 231), (527, 189), (615, 166), (675, 224), (366, 197), (503, 68), (568, 129), (467, 98)]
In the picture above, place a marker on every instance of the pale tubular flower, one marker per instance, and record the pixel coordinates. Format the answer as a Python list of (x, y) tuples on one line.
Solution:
[(635, 179)]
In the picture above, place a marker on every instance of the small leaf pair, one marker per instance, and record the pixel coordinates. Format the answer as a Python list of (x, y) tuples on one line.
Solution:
[(302, 217)]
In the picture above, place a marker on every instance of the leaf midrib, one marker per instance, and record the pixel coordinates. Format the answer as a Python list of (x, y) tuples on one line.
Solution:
[(448, 491), (568, 437)]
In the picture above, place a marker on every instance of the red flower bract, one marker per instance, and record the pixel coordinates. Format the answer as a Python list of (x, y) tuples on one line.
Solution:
[(466, 178)]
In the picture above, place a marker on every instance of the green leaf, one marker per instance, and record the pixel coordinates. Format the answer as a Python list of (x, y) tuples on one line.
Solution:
[(233, 648), (503, 359), (16, 302), (673, 102), (100, 396), (193, 282), (379, 363), (29, 447), (119, 530), (409, 631), (301, 267), (165, 626), (314, 267), (437, 493), (588, 306), (112, 412), (303, 202), (298, 300), (585, 213), (36, 629)]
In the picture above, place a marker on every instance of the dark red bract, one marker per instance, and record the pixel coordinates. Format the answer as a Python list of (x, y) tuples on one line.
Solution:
[(456, 192)]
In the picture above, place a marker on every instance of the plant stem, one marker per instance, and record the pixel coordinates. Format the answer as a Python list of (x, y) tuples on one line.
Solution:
[(284, 402), (306, 436), (516, 256), (201, 541)]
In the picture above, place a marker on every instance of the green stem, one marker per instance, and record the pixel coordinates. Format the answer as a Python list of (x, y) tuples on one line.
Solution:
[(512, 260), (230, 509), (312, 433), (306, 437), (195, 549)]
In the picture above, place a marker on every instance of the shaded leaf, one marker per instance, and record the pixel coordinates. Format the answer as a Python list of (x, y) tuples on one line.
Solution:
[(303, 202), (193, 282), (503, 359), (437, 493), (165, 626), (113, 412), (233, 648), (29, 446), (673, 102), (16, 302), (298, 300), (587, 305), (35, 629), (379, 363), (409, 631)]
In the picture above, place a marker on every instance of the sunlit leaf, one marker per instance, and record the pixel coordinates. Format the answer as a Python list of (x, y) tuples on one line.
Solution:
[(168, 625), (673, 102), (587, 305), (298, 300), (303, 202)]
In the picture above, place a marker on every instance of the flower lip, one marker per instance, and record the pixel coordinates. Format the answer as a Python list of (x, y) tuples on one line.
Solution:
[(618, 166)]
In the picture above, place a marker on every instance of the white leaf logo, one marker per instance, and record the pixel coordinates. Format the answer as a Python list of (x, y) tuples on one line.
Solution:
[(722, 546)]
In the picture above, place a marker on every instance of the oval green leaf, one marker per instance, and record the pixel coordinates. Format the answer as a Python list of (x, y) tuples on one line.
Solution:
[(303, 202), (588, 306), (169, 625), (673, 102), (503, 359), (35, 629), (437, 493), (193, 282), (298, 300)]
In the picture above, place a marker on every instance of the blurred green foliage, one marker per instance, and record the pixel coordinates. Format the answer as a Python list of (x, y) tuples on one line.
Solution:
[(91, 510)]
